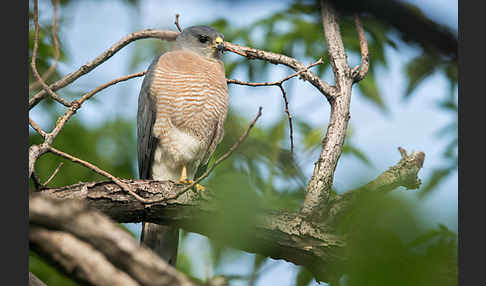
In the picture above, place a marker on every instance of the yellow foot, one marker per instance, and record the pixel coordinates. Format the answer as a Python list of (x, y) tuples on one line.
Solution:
[(197, 187), (185, 181)]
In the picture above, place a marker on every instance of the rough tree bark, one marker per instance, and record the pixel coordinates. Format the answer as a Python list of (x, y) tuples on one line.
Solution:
[(278, 234)]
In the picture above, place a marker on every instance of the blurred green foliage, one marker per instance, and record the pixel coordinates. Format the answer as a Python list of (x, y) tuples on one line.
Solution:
[(388, 245)]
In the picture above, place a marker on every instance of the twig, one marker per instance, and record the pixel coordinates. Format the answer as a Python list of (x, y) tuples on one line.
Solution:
[(56, 50), (327, 90), (284, 95), (37, 128), (177, 23), (53, 174), (164, 35), (36, 151), (88, 95), (234, 81), (76, 104), (360, 71), (88, 165), (46, 88)]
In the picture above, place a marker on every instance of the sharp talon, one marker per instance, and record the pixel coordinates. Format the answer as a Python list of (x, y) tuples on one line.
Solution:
[(185, 181), (200, 188)]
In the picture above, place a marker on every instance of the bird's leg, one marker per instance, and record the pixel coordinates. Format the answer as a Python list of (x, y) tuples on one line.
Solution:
[(184, 180)]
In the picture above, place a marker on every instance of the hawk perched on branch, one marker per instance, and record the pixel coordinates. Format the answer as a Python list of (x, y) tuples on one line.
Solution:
[(182, 107)]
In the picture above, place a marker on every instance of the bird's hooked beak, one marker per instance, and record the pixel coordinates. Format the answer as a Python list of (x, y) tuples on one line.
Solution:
[(219, 43)]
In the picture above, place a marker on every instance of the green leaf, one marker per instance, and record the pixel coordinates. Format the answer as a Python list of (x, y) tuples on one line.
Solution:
[(369, 89), (418, 69), (438, 175), (350, 149)]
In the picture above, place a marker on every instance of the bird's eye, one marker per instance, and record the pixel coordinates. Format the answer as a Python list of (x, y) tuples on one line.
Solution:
[(203, 39)]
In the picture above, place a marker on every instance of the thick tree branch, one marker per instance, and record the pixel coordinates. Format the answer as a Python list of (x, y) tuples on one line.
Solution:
[(280, 235), (319, 187), (403, 174), (76, 258), (93, 248), (277, 234)]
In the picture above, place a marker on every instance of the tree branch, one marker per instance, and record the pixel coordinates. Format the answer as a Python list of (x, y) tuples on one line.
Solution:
[(76, 258), (402, 174), (93, 248), (177, 23), (319, 187), (55, 41), (359, 72), (149, 33), (276, 234), (251, 53), (46, 88)]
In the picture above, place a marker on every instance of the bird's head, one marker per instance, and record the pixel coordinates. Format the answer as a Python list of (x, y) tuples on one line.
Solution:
[(203, 40)]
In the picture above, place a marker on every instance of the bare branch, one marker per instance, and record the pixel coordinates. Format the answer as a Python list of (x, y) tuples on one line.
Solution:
[(402, 174), (37, 128), (36, 151), (149, 33), (115, 81), (177, 23), (99, 171), (53, 174), (286, 101), (56, 49), (320, 184), (284, 94), (46, 88), (234, 81), (251, 53), (359, 72)]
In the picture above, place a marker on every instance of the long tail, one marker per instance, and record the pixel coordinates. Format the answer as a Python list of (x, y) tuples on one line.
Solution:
[(164, 240)]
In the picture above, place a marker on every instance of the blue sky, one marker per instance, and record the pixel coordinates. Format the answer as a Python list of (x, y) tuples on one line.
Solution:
[(92, 26)]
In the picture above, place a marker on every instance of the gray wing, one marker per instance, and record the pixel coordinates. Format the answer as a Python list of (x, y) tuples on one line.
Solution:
[(146, 142)]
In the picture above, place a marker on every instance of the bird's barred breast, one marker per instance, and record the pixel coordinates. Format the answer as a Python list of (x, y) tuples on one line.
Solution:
[(191, 95)]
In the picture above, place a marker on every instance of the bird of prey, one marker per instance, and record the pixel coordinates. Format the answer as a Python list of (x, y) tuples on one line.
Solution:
[(182, 107)]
